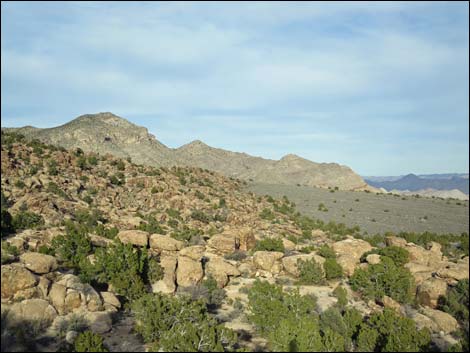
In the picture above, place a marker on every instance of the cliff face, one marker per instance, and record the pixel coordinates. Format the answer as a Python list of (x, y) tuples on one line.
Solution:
[(107, 133)]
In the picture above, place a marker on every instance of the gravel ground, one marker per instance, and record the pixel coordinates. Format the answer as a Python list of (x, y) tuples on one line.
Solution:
[(374, 213)]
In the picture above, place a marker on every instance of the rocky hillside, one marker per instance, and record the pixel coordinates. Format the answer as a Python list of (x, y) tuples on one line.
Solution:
[(100, 253), (107, 133)]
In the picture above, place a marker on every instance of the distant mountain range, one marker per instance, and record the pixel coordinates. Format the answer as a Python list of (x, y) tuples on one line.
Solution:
[(412, 182), (108, 133)]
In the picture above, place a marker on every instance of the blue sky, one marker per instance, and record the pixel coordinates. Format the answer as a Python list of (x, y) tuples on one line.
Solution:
[(380, 87)]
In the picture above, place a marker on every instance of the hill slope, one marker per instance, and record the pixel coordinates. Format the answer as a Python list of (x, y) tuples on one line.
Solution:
[(107, 133), (413, 182)]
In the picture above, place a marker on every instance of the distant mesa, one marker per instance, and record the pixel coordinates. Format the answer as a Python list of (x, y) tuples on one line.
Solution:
[(95, 132)]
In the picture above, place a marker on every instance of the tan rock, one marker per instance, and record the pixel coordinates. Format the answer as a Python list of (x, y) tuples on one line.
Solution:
[(57, 295), (444, 321), (189, 272), (16, 278), (373, 259), (111, 299), (265, 260), (165, 242), (224, 243), (99, 241), (39, 263), (134, 237), (349, 252), (168, 263), (390, 303), (395, 241), (72, 301), (288, 245), (99, 321), (430, 290), (220, 270), (422, 321), (32, 310), (195, 252)]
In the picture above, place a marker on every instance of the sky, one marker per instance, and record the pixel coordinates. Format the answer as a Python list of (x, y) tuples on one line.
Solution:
[(380, 87)]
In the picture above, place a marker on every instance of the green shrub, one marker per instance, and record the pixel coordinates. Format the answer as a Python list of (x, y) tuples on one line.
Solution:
[(332, 269), (120, 165), (74, 246), (154, 271), (20, 184), (89, 342), (384, 278), (326, 252), (267, 214), (27, 220), (398, 255), (151, 225), (6, 225), (92, 160), (342, 295), (55, 189), (390, 332), (310, 272), (269, 244), (201, 216), (116, 180), (124, 267), (82, 163), (186, 234), (179, 324)]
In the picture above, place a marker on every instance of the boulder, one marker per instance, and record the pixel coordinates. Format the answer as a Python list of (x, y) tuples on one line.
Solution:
[(430, 290), (288, 245), (189, 272), (32, 310), (99, 321), (111, 299), (16, 278), (265, 260), (56, 296), (100, 241), (195, 252), (223, 243), (390, 303), (168, 263), (349, 252), (72, 301), (373, 259), (134, 237), (165, 242), (395, 241), (220, 270), (39, 263), (445, 322)]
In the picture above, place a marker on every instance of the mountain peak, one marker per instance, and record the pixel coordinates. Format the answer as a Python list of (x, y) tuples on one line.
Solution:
[(291, 157)]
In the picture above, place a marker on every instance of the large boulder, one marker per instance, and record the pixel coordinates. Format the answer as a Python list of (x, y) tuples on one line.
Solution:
[(165, 243), (99, 321), (39, 263), (16, 278), (195, 252), (220, 270), (445, 322), (57, 295), (430, 290), (134, 237), (110, 299), (166, 285), (31, 310), (189, 272), (290, 262), (349, 252), (265, 260), (224, 243)]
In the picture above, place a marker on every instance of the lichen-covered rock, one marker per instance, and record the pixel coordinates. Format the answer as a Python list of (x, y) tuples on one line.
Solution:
[(223, 243), (39, 263)]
